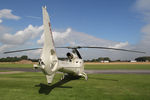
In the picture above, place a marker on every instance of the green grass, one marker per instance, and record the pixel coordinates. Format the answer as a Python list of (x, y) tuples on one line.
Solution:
[(26, 86), (4, 71), (9, 65), (89, 66), (117, 66)]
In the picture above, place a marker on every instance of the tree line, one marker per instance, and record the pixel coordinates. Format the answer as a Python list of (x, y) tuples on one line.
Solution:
[(99, 59), (15, 59), (25, 57), (143, 59)]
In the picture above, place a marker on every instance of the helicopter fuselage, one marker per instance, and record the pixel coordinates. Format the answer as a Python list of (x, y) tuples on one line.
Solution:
[(73, 66)]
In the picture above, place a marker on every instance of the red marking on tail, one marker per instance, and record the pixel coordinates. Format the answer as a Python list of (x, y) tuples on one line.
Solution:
[(51, 32)]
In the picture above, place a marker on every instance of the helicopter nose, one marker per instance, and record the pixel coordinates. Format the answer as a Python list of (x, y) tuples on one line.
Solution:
[(42, 66)]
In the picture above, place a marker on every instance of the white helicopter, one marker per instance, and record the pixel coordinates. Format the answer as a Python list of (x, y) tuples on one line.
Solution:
[(49, 63)]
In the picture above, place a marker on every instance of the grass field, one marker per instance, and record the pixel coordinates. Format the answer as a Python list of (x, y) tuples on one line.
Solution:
[(10, 65), (117, 66), (33, 86), (88, 66)]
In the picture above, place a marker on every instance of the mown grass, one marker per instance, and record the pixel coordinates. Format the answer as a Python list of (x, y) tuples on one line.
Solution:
[(117, 66), (4, 71), (33, 86), (11, 65), (87, 66)]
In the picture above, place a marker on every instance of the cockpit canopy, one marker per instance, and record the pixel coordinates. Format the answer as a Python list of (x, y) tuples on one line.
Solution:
[(69, 55)]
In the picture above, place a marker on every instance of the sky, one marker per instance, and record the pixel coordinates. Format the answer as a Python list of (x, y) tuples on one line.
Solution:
[(111, 23)]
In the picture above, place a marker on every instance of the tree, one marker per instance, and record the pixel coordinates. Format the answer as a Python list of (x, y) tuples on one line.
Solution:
[(143, 59), (24, 57), (106, 59)]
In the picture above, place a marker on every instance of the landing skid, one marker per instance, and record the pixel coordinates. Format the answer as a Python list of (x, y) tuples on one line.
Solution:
[(83, 74)]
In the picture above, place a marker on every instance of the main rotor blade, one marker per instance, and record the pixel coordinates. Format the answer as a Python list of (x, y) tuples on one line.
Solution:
[(78, 47), (21, 50)]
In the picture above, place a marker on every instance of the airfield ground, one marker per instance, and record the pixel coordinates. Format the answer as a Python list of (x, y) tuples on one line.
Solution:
[(122, 66), (93, 63), (115, 65), (33, 86)]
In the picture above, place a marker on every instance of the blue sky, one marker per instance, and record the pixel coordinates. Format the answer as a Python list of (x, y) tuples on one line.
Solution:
[(109, 19), (120, 21)]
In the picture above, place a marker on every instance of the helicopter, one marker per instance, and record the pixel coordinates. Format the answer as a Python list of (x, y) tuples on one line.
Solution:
[(49, 62)]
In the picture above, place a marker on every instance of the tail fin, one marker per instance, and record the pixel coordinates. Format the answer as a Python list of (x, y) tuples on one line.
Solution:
[(48, 55)]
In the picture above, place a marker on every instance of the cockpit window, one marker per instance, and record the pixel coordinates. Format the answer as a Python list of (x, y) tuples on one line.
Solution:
[(69, 55)]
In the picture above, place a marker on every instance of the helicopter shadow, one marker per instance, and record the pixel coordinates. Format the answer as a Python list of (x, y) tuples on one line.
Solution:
[(46, 89)]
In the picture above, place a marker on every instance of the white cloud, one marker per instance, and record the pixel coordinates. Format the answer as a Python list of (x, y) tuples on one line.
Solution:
[(3, 47), (73, 38), (67, 38), (59, 37), (120, 45), (7, 14), (143, 7), (20, 40), (21, 36), (145, 40), (4, 29), (146, 34), (70, 37), (1, 21), (41, 40)]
